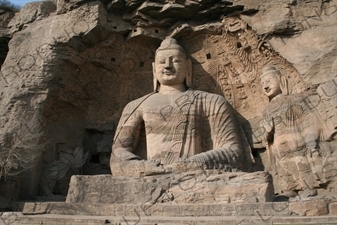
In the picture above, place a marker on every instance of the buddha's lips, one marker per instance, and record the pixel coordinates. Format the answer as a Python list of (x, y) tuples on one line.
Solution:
[(168, 72)]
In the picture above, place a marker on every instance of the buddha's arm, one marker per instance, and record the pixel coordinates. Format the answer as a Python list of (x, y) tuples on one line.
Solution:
[(127, 135), (227, 153), (310, 125), (124, 159)]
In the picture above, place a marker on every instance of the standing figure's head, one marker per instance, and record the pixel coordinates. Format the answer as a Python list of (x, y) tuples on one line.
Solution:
[(171, 66), (273, 82)]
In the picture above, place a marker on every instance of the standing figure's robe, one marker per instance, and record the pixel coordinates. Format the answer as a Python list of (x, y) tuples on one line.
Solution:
[(193, 124), (293, 130)]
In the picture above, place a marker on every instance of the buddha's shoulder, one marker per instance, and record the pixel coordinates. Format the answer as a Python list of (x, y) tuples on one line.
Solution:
[(137, 102), (207, 95)]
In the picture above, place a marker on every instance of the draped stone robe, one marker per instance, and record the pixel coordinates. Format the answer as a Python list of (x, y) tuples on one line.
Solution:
[(192, 124), (293, 128)]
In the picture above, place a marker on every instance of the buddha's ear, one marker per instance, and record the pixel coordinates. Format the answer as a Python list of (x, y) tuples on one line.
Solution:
[(155, 81), (189, 77), (153, 68), (284, 85)]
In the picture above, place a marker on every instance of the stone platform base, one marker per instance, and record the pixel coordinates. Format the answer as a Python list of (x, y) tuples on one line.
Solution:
[(232, 209), (305, 211), (304, 207), (197, 187), (19, 219)]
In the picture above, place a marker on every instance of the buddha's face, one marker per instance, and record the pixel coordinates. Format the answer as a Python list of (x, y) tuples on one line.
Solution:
[(170, 67), (271, 85)]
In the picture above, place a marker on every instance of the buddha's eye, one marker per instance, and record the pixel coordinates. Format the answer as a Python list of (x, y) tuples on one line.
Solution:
[(176, 60)]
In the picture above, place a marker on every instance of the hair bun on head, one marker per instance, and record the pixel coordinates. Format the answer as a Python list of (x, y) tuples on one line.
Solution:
[(170, 43), (269, 69)]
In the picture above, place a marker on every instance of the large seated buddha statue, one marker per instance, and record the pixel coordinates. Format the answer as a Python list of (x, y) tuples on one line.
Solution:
[(185, 129), (195, 152)]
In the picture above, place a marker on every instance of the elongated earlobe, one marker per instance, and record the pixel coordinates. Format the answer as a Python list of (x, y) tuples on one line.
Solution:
[(155, 84), (284, 85), (189, 77), (155, 81)]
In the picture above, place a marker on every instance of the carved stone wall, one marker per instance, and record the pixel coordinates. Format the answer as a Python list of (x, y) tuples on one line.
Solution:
[(75, 68)]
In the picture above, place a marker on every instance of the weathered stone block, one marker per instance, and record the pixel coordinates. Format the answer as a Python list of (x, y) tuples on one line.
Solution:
[(172, 210), (192, 210), (275, 209), (151, 209), (35, 208), (333, 208), (119, 210), (219, 209), (314, 207), (195, 187)]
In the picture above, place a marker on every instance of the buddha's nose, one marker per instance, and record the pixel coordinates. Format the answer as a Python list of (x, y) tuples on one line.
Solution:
[(266, 88), (168, 64)]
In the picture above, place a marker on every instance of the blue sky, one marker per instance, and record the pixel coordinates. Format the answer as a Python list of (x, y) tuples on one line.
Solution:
[(22, 2)]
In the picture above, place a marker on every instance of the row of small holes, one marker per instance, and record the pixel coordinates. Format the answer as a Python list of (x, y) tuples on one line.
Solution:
[(141, 64), (135, 30)]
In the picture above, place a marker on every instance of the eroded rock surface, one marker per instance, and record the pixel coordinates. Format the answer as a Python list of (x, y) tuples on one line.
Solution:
[(199, 187), (5, 16), (67, 77)]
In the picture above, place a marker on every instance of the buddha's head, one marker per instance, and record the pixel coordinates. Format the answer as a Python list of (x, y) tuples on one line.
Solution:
[(273, 82), (171, 66)]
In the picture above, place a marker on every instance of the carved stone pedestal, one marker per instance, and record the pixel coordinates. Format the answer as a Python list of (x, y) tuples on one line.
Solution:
[(197, 187)]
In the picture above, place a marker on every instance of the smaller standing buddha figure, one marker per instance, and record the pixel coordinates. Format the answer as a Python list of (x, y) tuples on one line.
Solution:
[(293, 131)]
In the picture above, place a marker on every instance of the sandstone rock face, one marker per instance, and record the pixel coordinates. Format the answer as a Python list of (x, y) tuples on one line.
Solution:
[(5, 16), (333, 208), (195, 187), (318, 207), (67, 76), (31, 12)]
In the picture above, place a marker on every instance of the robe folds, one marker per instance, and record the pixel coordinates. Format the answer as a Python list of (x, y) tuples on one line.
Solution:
[(296, 138), (193, 124)]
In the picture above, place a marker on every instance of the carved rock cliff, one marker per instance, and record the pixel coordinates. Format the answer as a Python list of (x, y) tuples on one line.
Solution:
[(72, 67)]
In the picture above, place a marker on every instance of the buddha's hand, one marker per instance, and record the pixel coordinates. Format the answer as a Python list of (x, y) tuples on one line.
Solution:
[(183, 165), (268, 124), (153, 167), (137, 168), (128, 168)]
